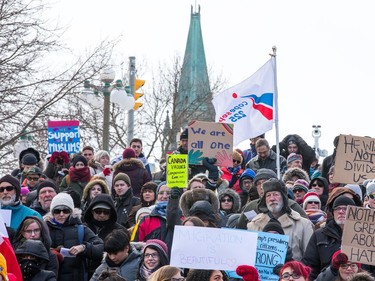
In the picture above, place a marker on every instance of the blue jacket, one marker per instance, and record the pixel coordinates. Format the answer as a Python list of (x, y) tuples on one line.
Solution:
[(19, 212)]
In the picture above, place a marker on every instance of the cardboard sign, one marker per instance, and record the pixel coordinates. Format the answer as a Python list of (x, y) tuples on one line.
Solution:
[(358, 240), (63, 136), (212, 248), (271, 251), (210, 139), (177, 170), (355, 159)]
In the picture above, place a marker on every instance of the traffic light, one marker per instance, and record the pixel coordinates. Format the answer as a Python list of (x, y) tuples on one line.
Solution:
[(138, 84)]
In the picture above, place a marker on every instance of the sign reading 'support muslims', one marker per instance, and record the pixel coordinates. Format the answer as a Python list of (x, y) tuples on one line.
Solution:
[(355, 159), (63, 136), (358, 239), (177, 170)]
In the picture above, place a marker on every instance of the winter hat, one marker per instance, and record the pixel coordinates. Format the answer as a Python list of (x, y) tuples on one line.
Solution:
[(34, 170), (13, 182), (144, 210), (46, 183), (158, 244), (124, 177), (335, 254), (273, 225), (78, 158), (247, 174), (311, 197), (343, 200), (62, 199), (128, 153), (29, 159), (24, 191), (264, 174), (292, 140), (293, 157), (274, 185), (370, 188), (3, 267), (185, 134), (149, 186), (301, 184), (201, 207), (237, 156), (247, 272), (160, 185), (356, 189)]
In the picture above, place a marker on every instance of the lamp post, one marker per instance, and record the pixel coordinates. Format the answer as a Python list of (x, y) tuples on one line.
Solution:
[(132, 90), (111, 93)]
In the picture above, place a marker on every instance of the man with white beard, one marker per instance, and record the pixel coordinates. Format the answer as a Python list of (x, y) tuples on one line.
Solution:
[(10, 190), (274, 204)]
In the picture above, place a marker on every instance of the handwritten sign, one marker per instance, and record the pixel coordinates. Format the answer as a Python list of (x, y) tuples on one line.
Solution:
[(358, 240), (210, 139), (212, 248), (63, 136), (177, 170), (355, 158), (271, 251)]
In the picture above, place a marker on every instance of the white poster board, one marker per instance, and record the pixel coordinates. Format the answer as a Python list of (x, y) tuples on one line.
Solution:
[(213, 248)]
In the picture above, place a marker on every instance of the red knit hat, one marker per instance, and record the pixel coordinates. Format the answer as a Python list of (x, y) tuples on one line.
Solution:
[(247, 272), (128, 153), (339, 252)]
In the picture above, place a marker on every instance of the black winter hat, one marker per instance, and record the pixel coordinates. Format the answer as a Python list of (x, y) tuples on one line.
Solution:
[(14, 182), (343, 200), (274, 185), (46, 183), (78, 158), (273, 225), (29, 159), (264, 174), (185, 134)]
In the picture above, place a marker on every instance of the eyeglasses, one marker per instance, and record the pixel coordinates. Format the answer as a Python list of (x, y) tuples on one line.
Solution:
[(351, 265), (102, 211), (7, 188), (31, 231), (33, 178), (287, 275), (297, 190), (237, 161), (317, 185), (58, 211), (246, 182), (153, 255), (226, 200), (338, 209), (313, 202), (164, 192), (372, 196)]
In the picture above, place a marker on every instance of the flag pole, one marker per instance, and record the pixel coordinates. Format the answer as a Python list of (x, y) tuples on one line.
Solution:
[(273, 56)]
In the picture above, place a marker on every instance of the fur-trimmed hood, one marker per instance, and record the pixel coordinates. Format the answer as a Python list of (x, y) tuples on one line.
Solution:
[(295, 172), (189, 197), (234, 195), (91, 183), (128, 164)]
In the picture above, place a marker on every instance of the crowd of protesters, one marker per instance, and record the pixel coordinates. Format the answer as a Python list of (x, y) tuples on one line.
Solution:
[(90, 217)]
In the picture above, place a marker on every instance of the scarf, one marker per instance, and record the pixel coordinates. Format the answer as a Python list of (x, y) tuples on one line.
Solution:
[(79, 175), (234, 171), (161, 208), (145, 272)]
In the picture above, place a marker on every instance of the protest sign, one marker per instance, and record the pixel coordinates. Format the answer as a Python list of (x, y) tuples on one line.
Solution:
[(63, 136), (177, 170), (271, 251), (210, 139), (358, 240), (354, 160), (212, 248)]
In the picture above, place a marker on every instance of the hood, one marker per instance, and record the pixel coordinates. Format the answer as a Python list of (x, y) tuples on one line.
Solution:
[(301, 174), (44, 233), (86, 190), (234, 195), (336, 192), (33, 247), (128, 164), (101, 198), (189, 197)]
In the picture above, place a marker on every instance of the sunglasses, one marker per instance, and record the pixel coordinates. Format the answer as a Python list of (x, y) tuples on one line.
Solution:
[(237, 161), (102, 211), (372, 196), (313, 202), (7, 188), (297, 190), (226, 200), (58, 211), (317, 184), (33, 178)]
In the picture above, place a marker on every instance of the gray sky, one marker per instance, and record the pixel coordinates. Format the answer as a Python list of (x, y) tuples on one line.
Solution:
[(325, 58)]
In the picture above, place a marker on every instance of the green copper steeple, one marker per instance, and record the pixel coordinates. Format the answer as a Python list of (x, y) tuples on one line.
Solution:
[(194, 95)]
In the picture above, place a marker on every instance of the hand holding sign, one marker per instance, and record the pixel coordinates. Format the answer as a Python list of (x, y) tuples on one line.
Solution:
[(224, 159), (195, 157)]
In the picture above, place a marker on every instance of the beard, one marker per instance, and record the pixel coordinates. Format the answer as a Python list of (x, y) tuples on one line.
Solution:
[(8, 201), (275, 207)]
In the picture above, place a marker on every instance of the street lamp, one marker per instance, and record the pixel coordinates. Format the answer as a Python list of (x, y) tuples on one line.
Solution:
[(111, 93)]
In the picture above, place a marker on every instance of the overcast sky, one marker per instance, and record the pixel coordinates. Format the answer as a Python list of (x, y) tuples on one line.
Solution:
[(325, 50)]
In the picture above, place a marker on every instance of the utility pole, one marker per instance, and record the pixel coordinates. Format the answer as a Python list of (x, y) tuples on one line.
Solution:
[(132, 90)]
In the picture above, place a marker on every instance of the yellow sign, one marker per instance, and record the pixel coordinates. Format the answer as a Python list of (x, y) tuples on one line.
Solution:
[(177, 170)]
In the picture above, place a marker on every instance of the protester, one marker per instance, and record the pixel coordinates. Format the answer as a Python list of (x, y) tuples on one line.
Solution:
[(248, 190), (300, 188), (320, 187), (101, 167), (166, 273), (58, 166), (92, 189), (312, 207), (296, 270), (232, 174), (206, 275), (42, 196)]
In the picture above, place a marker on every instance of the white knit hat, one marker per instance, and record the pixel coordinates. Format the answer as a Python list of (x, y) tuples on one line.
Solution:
[(62, 199), (370, 187)]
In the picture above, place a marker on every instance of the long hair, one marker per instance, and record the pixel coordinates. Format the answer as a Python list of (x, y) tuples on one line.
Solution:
[(298, 268), (194, 220), (203, 275), (164, 273)]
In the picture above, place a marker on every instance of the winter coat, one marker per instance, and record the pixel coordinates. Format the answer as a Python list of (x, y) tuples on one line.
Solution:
[(232, 179), (322, 245), (296, 227), (328, 275), (124, 205), (270, 163), (253, 206), (66, 235), (236, 201), (56, 172), (77, 186), (19, 213), (136, 171), (128, 268), (53, 264)]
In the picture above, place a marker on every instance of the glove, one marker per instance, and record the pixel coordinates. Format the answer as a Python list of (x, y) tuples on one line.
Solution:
[(107, 171), (53, 157), (59, 256), (338, 260), (213, 171), (176, 192), (65, 157)]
